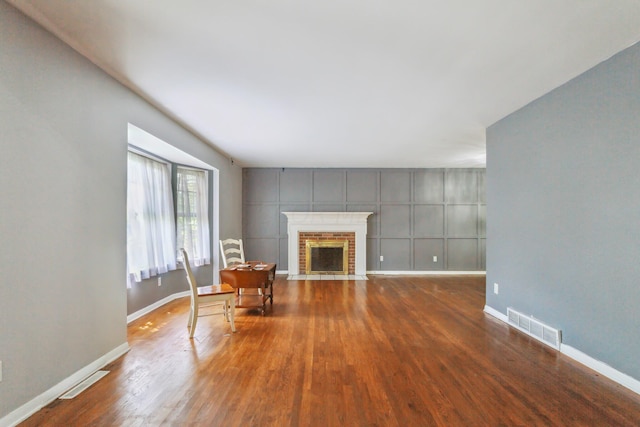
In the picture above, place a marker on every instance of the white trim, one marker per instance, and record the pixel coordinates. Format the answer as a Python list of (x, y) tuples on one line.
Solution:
[(495, 313), (428, 273), (415, 273), (150, 308), (580, 357), (326, 277), (601, 367), (194, 169), (140, 152), (215, 231), (149, 143), (34, 405)]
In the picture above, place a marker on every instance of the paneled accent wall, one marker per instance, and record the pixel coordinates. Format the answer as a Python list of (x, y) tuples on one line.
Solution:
[(418, 214)]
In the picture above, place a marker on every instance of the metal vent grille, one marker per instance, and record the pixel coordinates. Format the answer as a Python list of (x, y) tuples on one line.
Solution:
[(84, 385), (535, 328)]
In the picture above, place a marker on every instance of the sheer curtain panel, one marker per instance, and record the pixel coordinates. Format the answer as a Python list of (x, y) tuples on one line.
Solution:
[(193, 215), (151, 246)]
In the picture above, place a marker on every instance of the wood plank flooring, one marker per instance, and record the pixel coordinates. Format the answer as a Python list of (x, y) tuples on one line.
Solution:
[(390, 351)]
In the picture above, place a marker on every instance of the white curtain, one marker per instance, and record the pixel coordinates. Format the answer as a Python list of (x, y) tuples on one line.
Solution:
[(193, 215), (151, 246)]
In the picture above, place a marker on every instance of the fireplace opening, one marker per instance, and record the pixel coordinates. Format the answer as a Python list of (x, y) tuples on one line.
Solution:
[(327, 257)]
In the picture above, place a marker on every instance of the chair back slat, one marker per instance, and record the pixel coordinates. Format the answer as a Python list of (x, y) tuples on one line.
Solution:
[(232, 252)]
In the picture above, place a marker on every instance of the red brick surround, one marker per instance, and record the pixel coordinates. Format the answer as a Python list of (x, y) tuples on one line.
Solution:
[(303, 236)]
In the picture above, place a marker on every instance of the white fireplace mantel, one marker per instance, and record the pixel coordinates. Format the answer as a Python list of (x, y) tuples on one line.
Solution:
[(326, 222)]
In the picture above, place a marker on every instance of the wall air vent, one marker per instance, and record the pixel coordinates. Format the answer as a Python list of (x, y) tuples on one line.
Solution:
[(88, 382), (535, 328)]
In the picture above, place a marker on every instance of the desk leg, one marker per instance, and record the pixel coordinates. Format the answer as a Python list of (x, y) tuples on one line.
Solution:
[(271, 293)]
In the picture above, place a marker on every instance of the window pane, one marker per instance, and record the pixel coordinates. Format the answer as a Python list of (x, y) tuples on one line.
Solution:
[(193, 215)]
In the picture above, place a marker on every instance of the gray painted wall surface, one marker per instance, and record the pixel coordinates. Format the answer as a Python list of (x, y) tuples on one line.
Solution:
[(418, 213), (63, 136), (564, 202)]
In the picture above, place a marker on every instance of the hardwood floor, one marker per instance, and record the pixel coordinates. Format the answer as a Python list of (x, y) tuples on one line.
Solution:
[(391, 351)]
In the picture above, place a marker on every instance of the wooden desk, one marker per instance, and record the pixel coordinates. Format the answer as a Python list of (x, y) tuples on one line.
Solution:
[(253, 276)]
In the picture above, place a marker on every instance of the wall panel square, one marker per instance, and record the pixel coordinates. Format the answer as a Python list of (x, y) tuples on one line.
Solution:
[(397, 254), (423, 252), (328, 186), (295, 185), (260, 185), (362, 186), (462, 254), (462, 220), (261, 221), (395, 220), (395, 186), (461, 186), (429, 186), (428, 220)]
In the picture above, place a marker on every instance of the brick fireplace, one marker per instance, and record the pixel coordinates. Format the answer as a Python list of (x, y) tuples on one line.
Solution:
[(302, 226), (319, 236)]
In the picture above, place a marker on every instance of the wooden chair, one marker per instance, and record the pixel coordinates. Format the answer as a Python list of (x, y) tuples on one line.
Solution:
[(232, 252), (207, 296)]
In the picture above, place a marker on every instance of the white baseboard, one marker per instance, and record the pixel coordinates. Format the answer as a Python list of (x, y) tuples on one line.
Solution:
[(602, 368), (428, 273), (495, 313), (150, 308), (34, 405), (416, 273), (580, 357)]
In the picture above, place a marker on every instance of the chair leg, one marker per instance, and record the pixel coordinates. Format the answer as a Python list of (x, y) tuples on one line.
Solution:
[(194, 321), (190, 317), (232, 309)]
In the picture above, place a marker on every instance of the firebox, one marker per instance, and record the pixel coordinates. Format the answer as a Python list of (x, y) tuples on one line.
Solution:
[(327, 257)]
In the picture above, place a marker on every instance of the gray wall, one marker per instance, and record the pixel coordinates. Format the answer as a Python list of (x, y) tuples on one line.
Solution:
[(564, 206), (63, 136), (418, 213)]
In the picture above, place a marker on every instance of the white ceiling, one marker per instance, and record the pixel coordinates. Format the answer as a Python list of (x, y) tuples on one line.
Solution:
[(342, 83)]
